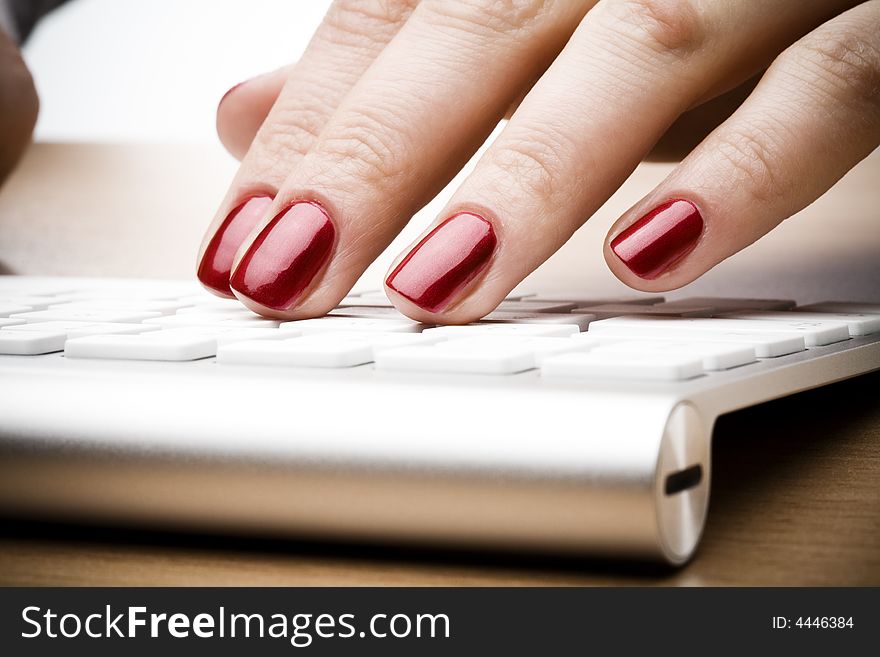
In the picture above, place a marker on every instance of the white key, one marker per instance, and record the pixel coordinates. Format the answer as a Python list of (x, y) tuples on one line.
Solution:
[(53, 326), (714, 355), (528, 306), (31, 343), (246, 319), (155, 345), (206, 299), (841, 307), (815, 333), (584, 299), (117, 328), (86, 315), (32, 302), (373, 312), (5, 321), (229, 334), (332, 350), (858, 324), (722, 304), (540, 347), (81, 329), (461, 356), (606, 310), (765, 346), (7, 309), (471, 330), (598, 363), (336, 324), (581, 320), (234, 309), (165, 307), (370, 301)]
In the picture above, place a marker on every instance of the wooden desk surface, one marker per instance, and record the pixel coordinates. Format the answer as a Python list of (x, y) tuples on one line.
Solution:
[(796, 490)]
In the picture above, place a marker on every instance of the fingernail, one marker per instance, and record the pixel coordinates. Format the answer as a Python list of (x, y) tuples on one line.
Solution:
[(286, 256), (444, 262), (230, 90), (659, 239), (214, 269)]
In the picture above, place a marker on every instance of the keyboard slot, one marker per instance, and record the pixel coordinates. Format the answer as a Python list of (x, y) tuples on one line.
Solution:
[(683, 480)]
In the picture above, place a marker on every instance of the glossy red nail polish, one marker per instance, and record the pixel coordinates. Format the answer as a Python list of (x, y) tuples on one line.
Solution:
[(446, 260), (214, 269), (285, 257), (659, 239)]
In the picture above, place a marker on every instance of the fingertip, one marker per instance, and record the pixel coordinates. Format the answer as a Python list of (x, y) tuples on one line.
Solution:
[(243, 108)]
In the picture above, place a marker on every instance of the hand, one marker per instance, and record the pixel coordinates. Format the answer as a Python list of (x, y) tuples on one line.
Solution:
[(18, 105), (390, 100)]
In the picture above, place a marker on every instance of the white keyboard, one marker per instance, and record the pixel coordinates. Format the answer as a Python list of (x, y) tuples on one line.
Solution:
[(562, 422)]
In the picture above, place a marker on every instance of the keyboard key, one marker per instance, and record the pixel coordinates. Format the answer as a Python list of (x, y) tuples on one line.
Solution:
[(529, 306), (502, 328), (858, 324), (606, 310), (462, 357), (541, 347), (374, 312), (86, 315), (333, 324), (765, 346), (714, 355), (7, 309), (80, 329), (31, 343), (599, 363), (583, 299), (722, 304), (841, 307), (229, 334), (165, 307), (581, 320), (32, 302), (372, 301), (330, 350), (242, 319), (814, 333), (155, 345), (5, 321)]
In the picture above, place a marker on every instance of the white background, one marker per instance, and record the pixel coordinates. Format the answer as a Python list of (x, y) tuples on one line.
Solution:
[(154, 70)]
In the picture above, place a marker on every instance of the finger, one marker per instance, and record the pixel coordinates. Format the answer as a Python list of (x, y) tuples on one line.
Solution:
[(18, 105), (631, 68), (351, 35), (691, 128), (245, 106), (415, 117), (814, 115)]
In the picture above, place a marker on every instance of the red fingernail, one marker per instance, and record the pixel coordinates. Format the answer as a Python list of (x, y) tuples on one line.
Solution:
[(285, 257), (446, 260), (229, 91), (214, 269), (659, 239)]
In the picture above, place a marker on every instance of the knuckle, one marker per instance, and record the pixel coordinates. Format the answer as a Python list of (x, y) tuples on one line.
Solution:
[(529, 165), (751, 155), (371, 20), (367, 147), (846, 62), (481, 16), (676, 27), (282, 139)]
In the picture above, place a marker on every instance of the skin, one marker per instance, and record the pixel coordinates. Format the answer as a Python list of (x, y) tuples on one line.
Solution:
[(18, 105), (393, 96)]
